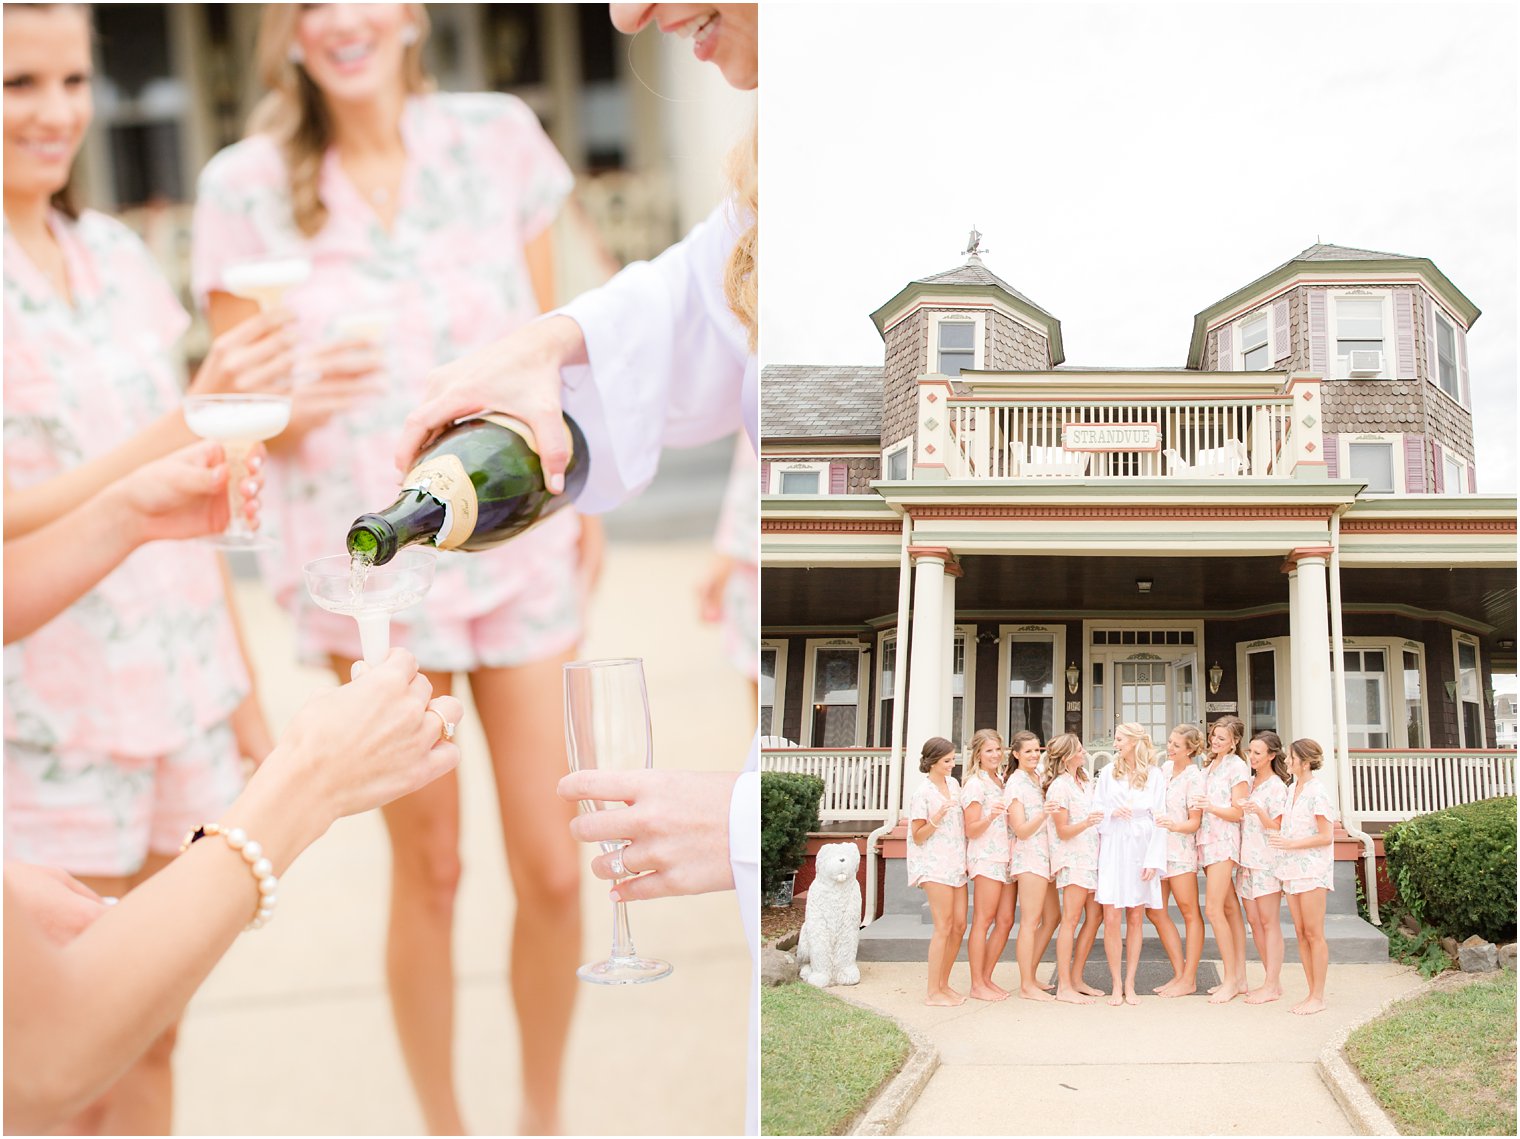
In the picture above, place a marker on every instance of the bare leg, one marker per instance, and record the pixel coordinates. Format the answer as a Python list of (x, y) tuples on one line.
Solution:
[(1219, 904), (142, 1101), (1135, 935), (1166, 929), (518, 708), (419, 957), (1266, 926), (942, 901), (1085, 940), (987, 892), (1032, 893), (1184, 888), (997, 938), (1113, 949), (1072, 900), (1312, 931), (1050, 922)]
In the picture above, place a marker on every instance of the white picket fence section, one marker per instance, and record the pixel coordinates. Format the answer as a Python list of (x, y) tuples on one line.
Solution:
[(854, 779), (1196, 439), (1395, 785)]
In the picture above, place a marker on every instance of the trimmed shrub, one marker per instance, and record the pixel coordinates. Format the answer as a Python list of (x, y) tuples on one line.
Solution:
[(1455, 869), (788, 811)]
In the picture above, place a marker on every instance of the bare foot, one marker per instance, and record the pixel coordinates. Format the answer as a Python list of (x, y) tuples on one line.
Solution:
[(1263, 995), (1181, 989), (987, 993), (943, 1000), (1215, 988), (1117, 999), (1035, 993), (1073, 997), (1130, 998), (1049, 986), (956, 995), (1160, 990), (1308, 1007), (1225, 993), (996, 988), (1084, 987)]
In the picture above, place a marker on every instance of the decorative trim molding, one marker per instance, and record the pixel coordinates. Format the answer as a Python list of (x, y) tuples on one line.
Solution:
[(827, 526), (1120, 512), (1429, 526)]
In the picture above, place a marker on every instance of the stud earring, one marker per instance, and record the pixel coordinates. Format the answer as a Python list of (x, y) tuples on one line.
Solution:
[(295, 55), (410, 35)]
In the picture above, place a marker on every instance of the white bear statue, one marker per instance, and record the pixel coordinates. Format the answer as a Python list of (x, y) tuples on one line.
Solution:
[(831, 930)]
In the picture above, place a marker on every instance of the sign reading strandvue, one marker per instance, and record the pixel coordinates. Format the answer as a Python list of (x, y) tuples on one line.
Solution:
[(1111, 437)]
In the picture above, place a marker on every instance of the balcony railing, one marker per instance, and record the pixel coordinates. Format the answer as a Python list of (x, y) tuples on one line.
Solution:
[(1248, 431), (1395, 785), (854, 779)]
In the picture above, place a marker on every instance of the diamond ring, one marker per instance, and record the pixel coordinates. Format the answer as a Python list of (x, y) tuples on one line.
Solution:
[(446, 733)]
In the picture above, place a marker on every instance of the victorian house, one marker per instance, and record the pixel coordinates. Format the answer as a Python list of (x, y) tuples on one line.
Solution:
[(973, 534)]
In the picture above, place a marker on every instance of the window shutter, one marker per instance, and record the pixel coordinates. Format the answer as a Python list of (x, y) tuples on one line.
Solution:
[(839, 478), (1280, 345), (1403, 322), (1462, 364), (1319, 361), (1432, 360), (1332, 456), (1437, 469), (765, 477), (1414, 463), (1472, 478), (1226, 361)]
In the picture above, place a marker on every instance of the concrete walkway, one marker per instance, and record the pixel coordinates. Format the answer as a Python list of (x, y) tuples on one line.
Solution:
[(1178, 1066), (292, 1033)]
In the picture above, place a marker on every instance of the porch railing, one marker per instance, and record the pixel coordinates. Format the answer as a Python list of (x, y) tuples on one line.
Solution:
[(1396, 785), (854, 779), (1160, 438)]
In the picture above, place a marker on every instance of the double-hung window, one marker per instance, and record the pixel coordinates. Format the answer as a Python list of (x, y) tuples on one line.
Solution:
[(1446, 357), (1372, 463), (1360, 352), (957, 346), (1255, 352)]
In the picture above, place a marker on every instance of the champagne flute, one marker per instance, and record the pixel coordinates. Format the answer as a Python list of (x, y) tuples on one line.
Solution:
[(607, 729), (237, 422)]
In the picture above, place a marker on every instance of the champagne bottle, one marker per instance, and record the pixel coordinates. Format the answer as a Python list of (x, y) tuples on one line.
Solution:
[(475, 486)]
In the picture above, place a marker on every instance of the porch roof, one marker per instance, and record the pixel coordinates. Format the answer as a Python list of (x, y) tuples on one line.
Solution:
[(820, 401)]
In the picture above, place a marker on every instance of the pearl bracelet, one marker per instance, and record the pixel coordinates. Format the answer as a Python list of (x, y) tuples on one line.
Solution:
[(253, 855)]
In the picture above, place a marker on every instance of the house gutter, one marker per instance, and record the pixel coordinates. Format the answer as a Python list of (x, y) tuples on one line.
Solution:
[(899, 714), (1342, 736)]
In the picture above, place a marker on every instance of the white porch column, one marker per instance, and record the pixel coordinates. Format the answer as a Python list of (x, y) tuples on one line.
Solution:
[(1295, 693), (947, 669), (1313, 716), (926, 663)]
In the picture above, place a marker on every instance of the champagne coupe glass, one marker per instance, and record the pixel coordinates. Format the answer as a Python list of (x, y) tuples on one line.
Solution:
[(237, 422), (607, 729), (371, 599), (264, 281)]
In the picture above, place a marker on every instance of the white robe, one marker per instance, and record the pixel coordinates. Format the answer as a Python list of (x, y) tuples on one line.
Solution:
[(670, 367), (1132, 844)]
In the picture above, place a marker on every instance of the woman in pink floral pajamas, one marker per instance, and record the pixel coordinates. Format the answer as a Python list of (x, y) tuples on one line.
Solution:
[(1306, 865), (127, 715), (425, 215)]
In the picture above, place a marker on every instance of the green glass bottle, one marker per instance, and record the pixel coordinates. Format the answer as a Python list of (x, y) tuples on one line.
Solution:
[(475, 486)]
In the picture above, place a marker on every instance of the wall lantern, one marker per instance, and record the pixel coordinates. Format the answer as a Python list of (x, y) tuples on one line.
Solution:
[(1143, 584), (1216, 674), (1073, 674)]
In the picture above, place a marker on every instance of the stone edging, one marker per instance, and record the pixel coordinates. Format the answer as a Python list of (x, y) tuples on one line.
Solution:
[(1350, 1091), (887, 1108)]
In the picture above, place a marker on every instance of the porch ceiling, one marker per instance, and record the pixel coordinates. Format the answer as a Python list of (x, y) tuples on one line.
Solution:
[(838, 598)]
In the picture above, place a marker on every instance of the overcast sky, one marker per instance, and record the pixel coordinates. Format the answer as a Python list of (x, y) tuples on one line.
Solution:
[(1130, 164)]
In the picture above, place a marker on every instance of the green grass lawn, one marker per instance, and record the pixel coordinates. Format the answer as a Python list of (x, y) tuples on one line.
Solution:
[(821, 1060), (1444, 1063)]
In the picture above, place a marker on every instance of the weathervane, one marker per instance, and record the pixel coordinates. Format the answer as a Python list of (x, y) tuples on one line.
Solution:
[(973, 243)]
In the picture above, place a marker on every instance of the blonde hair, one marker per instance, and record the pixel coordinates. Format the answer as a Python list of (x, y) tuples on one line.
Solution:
[(1308, 751), (983, 735), (1056, 754), (294, 115), (1236, 727), (1192, 739), (1137, 769), (1018, 740), (741, 283)]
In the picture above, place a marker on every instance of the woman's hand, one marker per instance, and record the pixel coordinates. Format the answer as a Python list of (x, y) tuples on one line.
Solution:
[(1165, 823), (939, 816), (1278, 841), (1094, 819), (675, 824), (373, 740), (329, 380), (1123, 812), (256, 356), (997, 808), (1199, 803), (61, 905), (518, 375), (184, 495), (1147, 873)]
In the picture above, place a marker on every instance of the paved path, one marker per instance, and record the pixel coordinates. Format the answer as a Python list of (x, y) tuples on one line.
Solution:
[(292, 1033), (1166, 1067)]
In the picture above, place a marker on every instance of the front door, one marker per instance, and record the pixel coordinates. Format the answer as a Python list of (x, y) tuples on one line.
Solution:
[(1144, 696)]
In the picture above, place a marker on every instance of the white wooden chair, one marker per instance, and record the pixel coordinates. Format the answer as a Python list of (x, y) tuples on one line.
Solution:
[(1223, 461), (1052, 462)]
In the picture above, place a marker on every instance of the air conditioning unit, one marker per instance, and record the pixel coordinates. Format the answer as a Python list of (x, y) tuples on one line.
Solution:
[(1365, 364)]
